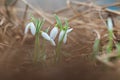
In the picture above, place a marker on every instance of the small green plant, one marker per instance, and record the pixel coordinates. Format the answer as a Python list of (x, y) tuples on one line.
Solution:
[(36, 31), (38, 25), (110, 35), (64, 30), (62, 38), (96, 45)]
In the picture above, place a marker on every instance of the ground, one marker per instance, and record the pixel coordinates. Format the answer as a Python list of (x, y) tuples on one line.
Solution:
[(16, 64), (16, 58)]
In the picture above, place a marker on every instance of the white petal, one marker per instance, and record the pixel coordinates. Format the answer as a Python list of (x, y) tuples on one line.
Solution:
[(61, 35), (54, 33), (52, 42), (27, 28), (65, 39), (110, 24), (45, 36), (33, 28), (69, 30)]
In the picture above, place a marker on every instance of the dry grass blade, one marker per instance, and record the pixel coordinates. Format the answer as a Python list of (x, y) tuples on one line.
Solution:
[(71, 7), (97, 33), (112, 11), (61, 10), (2, 44), (115, 4), (85, 4), (102, 59), (40, 12)]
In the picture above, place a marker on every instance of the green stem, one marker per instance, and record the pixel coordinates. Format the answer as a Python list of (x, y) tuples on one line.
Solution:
[(57, 58), (110, 43), (96, 47), (58, 49), (43, 51), (37, 47)]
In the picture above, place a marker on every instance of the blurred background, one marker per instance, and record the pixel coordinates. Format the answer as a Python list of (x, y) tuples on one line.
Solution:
[(52, 5)]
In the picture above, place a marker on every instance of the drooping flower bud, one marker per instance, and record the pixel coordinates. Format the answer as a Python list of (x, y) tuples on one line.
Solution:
[(45, 36), (109, 23), (32, 28), (54, 33)]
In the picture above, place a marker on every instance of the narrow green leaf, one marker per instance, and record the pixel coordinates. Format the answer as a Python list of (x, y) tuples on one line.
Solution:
[(59, 23), (96, 47)]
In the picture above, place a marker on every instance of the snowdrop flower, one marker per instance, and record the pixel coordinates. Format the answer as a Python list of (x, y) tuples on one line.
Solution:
[(110, 24), (63, 35), (54, 32), (62, 32), (69, 30), (47, 37), (32, 28), (52, 42)]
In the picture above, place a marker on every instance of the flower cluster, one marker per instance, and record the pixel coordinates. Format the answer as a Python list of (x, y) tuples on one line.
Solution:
[(109, 23), (59, 30), (53, 33), (32, 28)]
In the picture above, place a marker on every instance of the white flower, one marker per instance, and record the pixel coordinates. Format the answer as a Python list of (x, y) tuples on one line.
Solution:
[(62, 32), (69, 30), (64, 35), (110, 23), (47, 37), (52, 42), (65, 38), (32, 28), (54, 32)]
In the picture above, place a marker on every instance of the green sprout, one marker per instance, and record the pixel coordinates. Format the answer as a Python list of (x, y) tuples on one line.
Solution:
[(37, 32), (34, 32), (40, 51), (38, 25), (110, 35), (96, 47), (64, 30)]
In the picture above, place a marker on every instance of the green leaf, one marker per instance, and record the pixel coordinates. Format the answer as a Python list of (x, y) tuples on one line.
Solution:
[(59, 23), (39, 25), (66, 25), (110, 43), (96, 47), (118, 48)]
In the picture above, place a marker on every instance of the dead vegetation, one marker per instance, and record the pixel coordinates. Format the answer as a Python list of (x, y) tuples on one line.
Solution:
[(87, 19)]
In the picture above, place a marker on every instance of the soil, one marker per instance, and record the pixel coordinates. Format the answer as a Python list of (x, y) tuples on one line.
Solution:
[(16, 63)]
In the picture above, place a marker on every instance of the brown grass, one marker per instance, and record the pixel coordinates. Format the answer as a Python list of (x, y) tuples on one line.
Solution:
[(16, 59)]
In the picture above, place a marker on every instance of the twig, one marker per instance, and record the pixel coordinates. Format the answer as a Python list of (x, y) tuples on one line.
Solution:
[(41, 13), (4, 44), (112, 11), (115, 4), (78, 15), (104, 61), (71, 7), (61, 10), (100, 15), (97, 33), (13, 3), (25, 14)]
